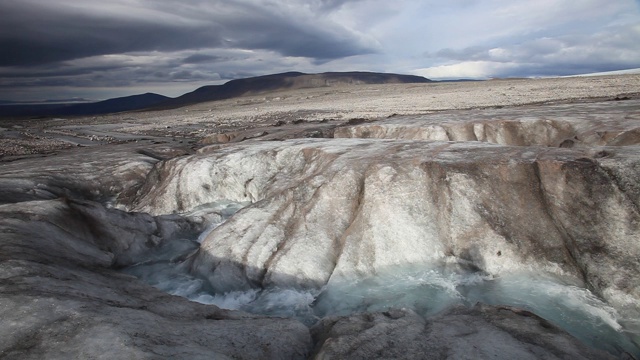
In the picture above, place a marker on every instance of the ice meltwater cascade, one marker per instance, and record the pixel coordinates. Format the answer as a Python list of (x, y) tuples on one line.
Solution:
[(426, 289)]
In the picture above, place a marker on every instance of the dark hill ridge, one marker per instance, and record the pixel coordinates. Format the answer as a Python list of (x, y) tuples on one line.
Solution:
[(288, 80), (231, 89), (127, 103)]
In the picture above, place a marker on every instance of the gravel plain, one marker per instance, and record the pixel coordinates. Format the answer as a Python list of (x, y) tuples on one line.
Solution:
[(336, 104)]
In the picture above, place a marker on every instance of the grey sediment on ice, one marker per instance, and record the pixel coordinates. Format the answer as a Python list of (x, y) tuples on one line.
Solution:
[(545, 189)]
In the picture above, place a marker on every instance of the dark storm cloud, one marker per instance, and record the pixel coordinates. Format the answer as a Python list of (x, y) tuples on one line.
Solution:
[(291, 32), (31, 35), (37, 32), (159, 45), (203, 58)]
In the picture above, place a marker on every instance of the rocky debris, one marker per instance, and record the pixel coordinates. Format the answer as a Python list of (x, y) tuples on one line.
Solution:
[(480, 332), (358, 101), (12, 148), (90, 137), (275, 132), (232, 137), (165, 152)]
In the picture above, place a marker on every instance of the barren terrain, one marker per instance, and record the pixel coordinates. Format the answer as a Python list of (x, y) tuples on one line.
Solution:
[(305, 108), (498, 218)]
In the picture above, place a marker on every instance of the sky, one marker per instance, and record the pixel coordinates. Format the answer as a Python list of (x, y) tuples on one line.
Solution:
[(97, 49)]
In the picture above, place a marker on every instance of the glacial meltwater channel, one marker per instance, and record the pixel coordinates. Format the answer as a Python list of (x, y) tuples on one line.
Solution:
[(426, 289)]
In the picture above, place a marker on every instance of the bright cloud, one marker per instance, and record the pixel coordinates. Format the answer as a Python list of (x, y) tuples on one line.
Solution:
[(466, 70), (612, 49)]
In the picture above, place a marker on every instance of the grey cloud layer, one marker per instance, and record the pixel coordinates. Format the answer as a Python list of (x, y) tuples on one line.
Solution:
[(99, 44), (41, 32), (612, 49)]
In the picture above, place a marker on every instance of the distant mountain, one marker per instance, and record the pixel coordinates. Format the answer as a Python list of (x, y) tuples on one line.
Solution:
[(19, 110), (231, 89), (289, 80), (127, 103)]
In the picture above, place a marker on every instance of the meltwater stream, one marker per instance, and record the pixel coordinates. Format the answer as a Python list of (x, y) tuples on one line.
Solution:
[(426, 289)]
